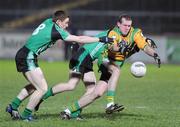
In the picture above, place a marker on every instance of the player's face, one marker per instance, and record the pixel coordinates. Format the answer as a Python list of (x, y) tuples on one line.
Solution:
[(124, 26), (63, 24)]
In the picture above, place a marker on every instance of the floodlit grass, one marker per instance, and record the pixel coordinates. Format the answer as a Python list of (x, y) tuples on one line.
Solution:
[(151, 101)]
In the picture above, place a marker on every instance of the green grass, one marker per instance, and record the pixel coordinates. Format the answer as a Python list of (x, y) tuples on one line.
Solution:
[(151, 101)]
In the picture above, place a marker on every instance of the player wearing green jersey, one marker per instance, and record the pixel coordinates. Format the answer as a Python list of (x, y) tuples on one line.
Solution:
[(128, 40), (42, 38), (81, 67)]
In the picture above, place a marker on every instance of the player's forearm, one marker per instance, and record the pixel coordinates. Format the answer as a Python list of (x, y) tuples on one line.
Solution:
[(148, 50), (81, 39), (87, 39)]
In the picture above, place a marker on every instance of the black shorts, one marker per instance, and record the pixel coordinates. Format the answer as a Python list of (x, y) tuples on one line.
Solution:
[(105, 74), (81, 62), (26, 60)]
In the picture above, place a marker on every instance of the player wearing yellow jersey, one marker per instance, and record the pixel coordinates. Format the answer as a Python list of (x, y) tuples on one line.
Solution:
[(128, 40)]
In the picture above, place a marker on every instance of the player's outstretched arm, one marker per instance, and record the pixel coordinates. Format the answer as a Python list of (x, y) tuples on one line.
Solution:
[(151, 52), (151, 43), (87, 39)]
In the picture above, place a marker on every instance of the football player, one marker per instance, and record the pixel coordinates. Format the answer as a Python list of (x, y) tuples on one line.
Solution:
[(42, 38), (128, 40)]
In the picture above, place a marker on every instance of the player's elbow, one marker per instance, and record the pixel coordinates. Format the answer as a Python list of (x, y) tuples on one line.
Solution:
[(81, 39)]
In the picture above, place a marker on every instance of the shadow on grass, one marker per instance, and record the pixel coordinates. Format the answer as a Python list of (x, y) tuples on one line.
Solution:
[(98, 115), (46, 116), (119, 115)]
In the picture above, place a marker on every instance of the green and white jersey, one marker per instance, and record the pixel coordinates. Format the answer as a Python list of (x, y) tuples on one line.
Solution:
[(44, 36), (95, 49)]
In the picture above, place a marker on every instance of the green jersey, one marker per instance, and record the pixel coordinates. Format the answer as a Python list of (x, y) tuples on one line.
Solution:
[(95, 49), (44, 36)]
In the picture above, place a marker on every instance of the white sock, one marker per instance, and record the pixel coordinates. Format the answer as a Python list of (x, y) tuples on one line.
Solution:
[(109, 104), (68, 111)]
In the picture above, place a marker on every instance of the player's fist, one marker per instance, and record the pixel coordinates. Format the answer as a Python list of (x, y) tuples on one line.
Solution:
[(157, 59), (123, 47), (106, 39)]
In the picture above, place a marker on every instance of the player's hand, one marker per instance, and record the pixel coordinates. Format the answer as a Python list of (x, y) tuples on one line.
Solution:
[(106, 39), (151, 43), (123, 47), (157, 59)]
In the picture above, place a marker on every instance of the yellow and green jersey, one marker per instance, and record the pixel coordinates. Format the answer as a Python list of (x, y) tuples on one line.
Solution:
[(101, 51), (133, 38)]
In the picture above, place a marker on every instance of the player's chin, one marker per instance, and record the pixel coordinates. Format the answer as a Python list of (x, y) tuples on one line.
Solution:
[(125, 33)]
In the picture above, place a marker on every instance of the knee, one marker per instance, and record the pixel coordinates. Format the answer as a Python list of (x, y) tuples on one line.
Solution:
[(43, 90), (30, 88), (100, 94), (97, 95), (115, 70)]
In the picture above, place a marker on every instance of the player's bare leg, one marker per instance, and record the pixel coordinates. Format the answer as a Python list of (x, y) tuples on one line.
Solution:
[(113, 81), (89, 80), (98, 91), (74, 79), (68, 86), (36, 78), (12, 108)]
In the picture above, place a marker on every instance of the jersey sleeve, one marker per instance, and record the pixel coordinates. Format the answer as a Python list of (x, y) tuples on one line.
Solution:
[(64, 34), (140, 40), (117, 39), (115, 35)]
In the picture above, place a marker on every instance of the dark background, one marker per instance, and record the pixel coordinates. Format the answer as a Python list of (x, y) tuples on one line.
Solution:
[(153, 16)]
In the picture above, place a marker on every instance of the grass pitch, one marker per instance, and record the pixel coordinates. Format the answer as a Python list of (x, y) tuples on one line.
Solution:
[(151, 101)]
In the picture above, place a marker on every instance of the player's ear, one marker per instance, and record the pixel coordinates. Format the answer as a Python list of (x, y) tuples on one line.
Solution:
[(57, 21), (118, 23)]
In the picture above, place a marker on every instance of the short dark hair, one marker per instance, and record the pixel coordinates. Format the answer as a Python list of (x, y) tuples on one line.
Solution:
[(127, 17), (59, 15)]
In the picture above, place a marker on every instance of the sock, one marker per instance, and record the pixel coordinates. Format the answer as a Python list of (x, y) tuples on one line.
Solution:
[(48, 94), (26, 113), (76, 113), (74, 107), (15, 103), (110, 97)]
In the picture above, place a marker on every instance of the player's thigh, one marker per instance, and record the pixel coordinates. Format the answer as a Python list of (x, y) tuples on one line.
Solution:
[(89, 77), (74, 78), (89, 80), (36, 77)]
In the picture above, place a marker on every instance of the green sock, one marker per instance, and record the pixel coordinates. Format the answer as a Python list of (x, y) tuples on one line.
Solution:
[(48, 94), (26, 113), (15, 103), (74, 107), (76, 113), (110, 96)]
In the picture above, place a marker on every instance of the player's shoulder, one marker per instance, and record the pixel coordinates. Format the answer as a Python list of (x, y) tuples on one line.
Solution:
[(48, 20), (136, 30), (114, 31)]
